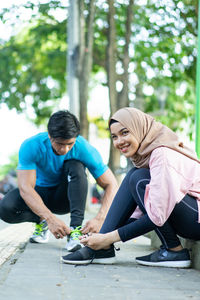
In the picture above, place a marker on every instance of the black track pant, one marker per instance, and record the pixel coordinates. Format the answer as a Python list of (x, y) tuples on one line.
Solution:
[(183, 220), (68, 197)]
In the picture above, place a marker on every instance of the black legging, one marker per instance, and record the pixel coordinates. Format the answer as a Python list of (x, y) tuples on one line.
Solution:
[(183, 220), (69, 196)]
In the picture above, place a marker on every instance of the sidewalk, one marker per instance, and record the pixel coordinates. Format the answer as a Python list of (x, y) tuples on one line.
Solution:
[(35, 272)]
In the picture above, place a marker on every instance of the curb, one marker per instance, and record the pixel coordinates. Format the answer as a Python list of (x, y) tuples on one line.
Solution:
[(12, 237)]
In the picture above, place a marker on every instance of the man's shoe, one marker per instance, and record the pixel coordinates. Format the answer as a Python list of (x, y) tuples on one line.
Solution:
[(73, 242), (41, 233), (166, 258), (86, 255)]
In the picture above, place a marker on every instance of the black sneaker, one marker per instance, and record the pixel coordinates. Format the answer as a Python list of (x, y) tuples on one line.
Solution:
[(166, 258), (86, 255)]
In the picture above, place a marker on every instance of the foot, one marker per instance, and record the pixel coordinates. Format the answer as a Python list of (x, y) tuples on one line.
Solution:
[(73, 242), (41, 233), (86, 255), (166, 258)]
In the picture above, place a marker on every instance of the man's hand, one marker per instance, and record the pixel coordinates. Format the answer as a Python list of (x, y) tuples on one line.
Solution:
[(26, 183), (57, 227), (92, 225)]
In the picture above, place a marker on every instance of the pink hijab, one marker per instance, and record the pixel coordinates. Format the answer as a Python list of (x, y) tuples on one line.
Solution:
[(150, 135)]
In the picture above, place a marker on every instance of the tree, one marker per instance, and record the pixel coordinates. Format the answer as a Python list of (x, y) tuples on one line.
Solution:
[(34, 63), (120, 98), (140, 47), (85, 59)]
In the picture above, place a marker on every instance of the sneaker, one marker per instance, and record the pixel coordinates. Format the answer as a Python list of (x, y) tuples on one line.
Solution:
[(73, 242), (86, 255), (166, 258), (41, 233)]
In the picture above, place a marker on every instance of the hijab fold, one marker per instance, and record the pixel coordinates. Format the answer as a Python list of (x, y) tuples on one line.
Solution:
[(150, 135)]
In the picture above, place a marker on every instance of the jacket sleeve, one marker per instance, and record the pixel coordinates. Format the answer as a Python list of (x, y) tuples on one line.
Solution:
[(165, 188)]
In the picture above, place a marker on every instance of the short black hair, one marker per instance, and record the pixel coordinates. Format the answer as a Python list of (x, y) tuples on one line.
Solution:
[(64, 125)]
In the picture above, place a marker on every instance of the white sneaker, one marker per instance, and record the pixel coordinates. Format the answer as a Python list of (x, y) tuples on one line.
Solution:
[(41, 233), (73, 242)]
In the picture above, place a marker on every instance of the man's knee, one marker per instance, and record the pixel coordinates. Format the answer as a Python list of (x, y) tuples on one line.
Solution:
[(8, 207), (74, 167)]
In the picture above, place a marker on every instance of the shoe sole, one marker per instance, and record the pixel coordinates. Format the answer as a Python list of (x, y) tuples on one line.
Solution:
[(103, 261), (167, 264), (33, 241)]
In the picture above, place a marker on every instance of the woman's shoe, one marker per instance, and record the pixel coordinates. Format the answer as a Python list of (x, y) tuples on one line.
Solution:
[(166, 258), (86, 255)]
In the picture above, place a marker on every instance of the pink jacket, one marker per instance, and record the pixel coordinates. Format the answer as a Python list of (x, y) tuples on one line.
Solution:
[(173, 175)]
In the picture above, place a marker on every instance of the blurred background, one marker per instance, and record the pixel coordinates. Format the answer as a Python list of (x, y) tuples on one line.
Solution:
[(94, 57)]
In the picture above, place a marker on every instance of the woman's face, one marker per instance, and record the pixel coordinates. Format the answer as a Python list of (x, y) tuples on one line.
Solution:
[(123, 140)]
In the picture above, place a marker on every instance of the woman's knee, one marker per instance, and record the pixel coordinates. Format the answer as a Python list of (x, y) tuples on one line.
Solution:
[(139, 176), (137, 185)]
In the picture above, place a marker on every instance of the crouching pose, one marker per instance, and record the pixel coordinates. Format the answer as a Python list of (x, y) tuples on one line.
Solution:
[(161, 192), (52, 180)]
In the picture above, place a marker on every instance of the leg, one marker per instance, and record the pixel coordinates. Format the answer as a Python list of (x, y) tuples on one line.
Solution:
[(70, 195), (131, 194), (182, 221), (77, 185), (14, 210), (166, 233), (184, 218), (121, 208)]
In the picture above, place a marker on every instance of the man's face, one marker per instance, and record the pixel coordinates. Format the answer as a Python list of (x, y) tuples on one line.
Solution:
[(62, 146)]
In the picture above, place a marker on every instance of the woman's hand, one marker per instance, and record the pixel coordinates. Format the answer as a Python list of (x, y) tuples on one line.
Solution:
[(98, 241), (95, 241)]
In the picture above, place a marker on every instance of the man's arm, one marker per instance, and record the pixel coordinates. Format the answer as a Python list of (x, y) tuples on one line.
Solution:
[(108, 182), (26, 183)]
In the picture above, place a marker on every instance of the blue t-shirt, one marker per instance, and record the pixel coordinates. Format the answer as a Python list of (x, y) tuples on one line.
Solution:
[(36, 153)]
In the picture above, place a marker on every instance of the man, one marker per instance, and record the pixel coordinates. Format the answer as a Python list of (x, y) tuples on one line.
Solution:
[(52, 179)]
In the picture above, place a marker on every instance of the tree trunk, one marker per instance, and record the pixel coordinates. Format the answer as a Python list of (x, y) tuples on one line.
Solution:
[(121, 99), (123, 96), (114, 158), (85, 62)]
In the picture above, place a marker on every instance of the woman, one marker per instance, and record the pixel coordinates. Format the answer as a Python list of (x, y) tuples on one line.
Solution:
[(161, 193)]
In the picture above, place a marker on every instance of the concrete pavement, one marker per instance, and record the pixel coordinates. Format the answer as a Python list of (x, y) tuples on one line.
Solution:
[(35, 272)]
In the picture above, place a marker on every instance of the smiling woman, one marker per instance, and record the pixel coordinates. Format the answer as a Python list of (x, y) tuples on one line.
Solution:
[(123, 140), (161, 193)]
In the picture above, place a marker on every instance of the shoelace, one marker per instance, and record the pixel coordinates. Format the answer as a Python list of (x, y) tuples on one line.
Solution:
[(93, 257), (75, 233), (39, 228)]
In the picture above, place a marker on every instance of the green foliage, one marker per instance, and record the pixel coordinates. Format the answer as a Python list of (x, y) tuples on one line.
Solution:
[(34, 65), (163, 53), (11, 166), (102, 126)]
